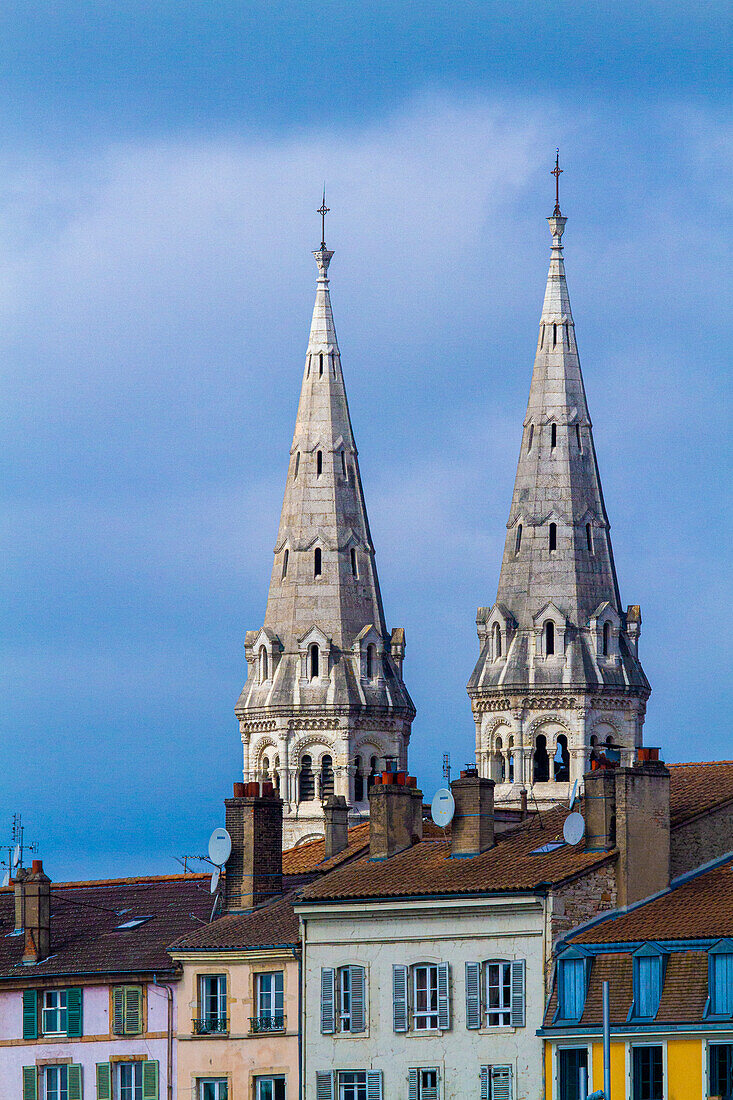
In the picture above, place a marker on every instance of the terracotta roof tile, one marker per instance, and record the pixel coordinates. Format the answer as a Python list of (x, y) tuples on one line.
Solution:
[(307, 858), (272, 924), (685, 989), (697, 788)]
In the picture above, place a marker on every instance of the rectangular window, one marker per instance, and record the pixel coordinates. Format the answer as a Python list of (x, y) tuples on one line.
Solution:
[(213, 1088), (345, 998), (498, 994), (648, 1073), (573, 1072), (722, 991), (56, 1083), (425, 997), (352, 1085), (54, 1012), (269, 1088), (129, 1081), (572, 988), (426, 1081), (269, 1001), (720, 1070), (212, 1004)]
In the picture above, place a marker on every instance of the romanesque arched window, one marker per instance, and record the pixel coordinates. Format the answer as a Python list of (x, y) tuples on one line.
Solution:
[(372, 777), (306, 782), (561, 760), (540, 760), (276, 774), (497, 641), (265, 769), (549, 638), (263, 664), (553, 537), (317, 562), (314, 660), (358, 780), (325, 779)]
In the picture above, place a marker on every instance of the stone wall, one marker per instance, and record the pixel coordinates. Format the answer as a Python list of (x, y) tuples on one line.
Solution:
[(577, 902), (697, 842)]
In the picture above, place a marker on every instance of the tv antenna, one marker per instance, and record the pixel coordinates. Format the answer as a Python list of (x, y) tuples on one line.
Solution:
[(16, 850), (446, 766)]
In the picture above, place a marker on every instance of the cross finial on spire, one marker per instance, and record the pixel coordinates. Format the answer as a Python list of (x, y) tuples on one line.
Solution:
[(557, 172), (323, 210)]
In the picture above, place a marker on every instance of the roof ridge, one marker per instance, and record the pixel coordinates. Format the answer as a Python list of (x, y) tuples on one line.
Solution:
[(698, 763), (135, 881)]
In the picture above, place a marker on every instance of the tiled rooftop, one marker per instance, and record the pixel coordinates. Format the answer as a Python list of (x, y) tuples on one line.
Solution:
[(695, 789), (272, 924)]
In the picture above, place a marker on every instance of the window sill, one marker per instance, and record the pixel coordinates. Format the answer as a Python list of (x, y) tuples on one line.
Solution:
[(497, 1029)]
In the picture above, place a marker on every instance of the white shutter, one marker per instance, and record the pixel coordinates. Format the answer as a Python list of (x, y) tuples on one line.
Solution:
[(412, 1090), (399, 998), (518, 969), (328, 981), (324, 1086), (374, 1084), (501, 1083), (443, 997), (485, 1082), (473, 995), (358, 1000)]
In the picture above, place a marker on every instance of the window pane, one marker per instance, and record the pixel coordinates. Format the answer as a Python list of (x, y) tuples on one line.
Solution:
[(648, 1073), (721, 1070), (573, 1065), (723, 985)]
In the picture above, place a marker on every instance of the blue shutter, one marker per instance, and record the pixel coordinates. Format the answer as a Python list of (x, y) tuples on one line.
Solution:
[(572, 988), (399, 998), (485, 1082), (412, 1085), (723, 985), (473, 995), (518, 969), (358, 999), (444, 997), (30, 1013), (324, 1086), (328, 1017), (649, 985), (502, 1083), (374, 1084)]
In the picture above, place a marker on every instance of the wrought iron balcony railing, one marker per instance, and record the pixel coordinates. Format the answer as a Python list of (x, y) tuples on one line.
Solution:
[(210, 1025), (267, 1023)]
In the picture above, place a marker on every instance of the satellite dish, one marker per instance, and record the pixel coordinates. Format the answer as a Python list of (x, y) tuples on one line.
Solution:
[(6, 878), (213, 885), (442, 807), (16, 856), (574, 828), (220, 847)]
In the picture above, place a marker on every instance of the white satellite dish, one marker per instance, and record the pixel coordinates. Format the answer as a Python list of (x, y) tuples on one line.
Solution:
[(16, 856), (213, 885), (574, 828), (442, 807), (6, 878), (220, 847)]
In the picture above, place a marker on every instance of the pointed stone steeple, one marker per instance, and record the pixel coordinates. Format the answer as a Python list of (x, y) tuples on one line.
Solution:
[(558, 673), (324, 703)]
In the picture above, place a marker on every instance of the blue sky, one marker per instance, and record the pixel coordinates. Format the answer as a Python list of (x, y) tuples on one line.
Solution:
[(160, 165)]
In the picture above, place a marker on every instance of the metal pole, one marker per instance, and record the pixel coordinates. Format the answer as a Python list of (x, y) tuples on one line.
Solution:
[(606, 1044)]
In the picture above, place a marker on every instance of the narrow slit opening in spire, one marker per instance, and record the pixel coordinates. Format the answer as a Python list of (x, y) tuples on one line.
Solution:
[(343, 463), (370, 658), (567, 334), (308, 367), (606, 638), (589, 538), (549, 638), (286, 555), (354, 570), (315, 657), (317, 562), (297, 465), (579, 438), (319, 463), (553, 437), (518, 540), (554, 335), (553, 537), (542, 337), (531, 437), (320, 363)]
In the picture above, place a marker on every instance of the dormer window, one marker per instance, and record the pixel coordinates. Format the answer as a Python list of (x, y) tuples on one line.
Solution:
[(314, 661), (371, 654), (263, 664), (571, 987), (317, 564), (549, 638), (553, 538), (319, 463), (606, 638), (497, 641), (720, 979), (648, 979), (518, 540)]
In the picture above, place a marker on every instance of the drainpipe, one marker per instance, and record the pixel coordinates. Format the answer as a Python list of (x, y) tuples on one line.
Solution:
[(169, 993)]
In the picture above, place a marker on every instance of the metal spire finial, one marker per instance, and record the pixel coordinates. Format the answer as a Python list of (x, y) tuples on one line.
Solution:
[(323, 210), (557, 172)]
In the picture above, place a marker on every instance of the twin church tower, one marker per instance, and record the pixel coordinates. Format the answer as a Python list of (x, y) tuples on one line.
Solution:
[(558, 679)]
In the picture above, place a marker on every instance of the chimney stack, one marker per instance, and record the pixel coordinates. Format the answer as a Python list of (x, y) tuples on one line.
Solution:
[(19, 898), (395, 815), (36, 904), (336, 813), (472, 828), (254, 870)]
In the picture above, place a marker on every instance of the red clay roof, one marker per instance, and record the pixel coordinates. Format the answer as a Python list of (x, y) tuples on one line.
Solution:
[(307, 858), (273, 924), (696, 789)]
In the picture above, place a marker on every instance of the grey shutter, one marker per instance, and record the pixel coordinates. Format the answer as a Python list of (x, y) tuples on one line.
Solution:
[(399, 998), (443, 997), (412, 1088), (73, 1082), (485, 1082), (518, 969), (473, 995), (374, 1084), (358, 999), (328, 998), (324, 1086), (501, 1083)]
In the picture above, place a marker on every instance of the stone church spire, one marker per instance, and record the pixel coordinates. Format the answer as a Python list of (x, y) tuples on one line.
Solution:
[(324, 703), (558, 676)]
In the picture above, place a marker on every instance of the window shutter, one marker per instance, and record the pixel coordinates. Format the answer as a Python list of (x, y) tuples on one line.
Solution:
[(30, 1082), (374, 1084), (518, 971), (473, 995), (104, 1081), (399, 998), (443, 997), (133, 1010), (501, 1083), (324, 1086), (485, 1082), (73, 1079), (150, 1081), (358, 999), (118, 1010), (74, 1013), (328, 1022), (30, 1013), (412, 1090)]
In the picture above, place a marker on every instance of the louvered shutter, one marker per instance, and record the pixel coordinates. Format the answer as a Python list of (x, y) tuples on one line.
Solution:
[(150, 1080), (328, 999), (412, 1087), (518, 971), (485, 1082), (104, 1081), (30, 1083), (358, 999), (73, 1080), (473, 995), (74, 1013), (431, 1092), (118, 1010), (443, 996), (30, 1013), (399, 998), (133, 1010), (374, 1084), (324, 1086), (501, 1083)]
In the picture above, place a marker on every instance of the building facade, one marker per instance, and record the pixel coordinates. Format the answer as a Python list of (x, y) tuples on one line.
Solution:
[(324, 705), (558, 680)]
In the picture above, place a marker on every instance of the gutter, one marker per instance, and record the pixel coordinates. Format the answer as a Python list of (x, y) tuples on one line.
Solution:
[(169, 993)]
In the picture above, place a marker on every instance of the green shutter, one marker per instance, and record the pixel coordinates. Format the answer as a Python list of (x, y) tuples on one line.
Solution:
[(118, 1010), (74, 1013), (104, 1081), (30, 1013), (150, 1081), (133, 1010), (30, 1083), (74, 1082)]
